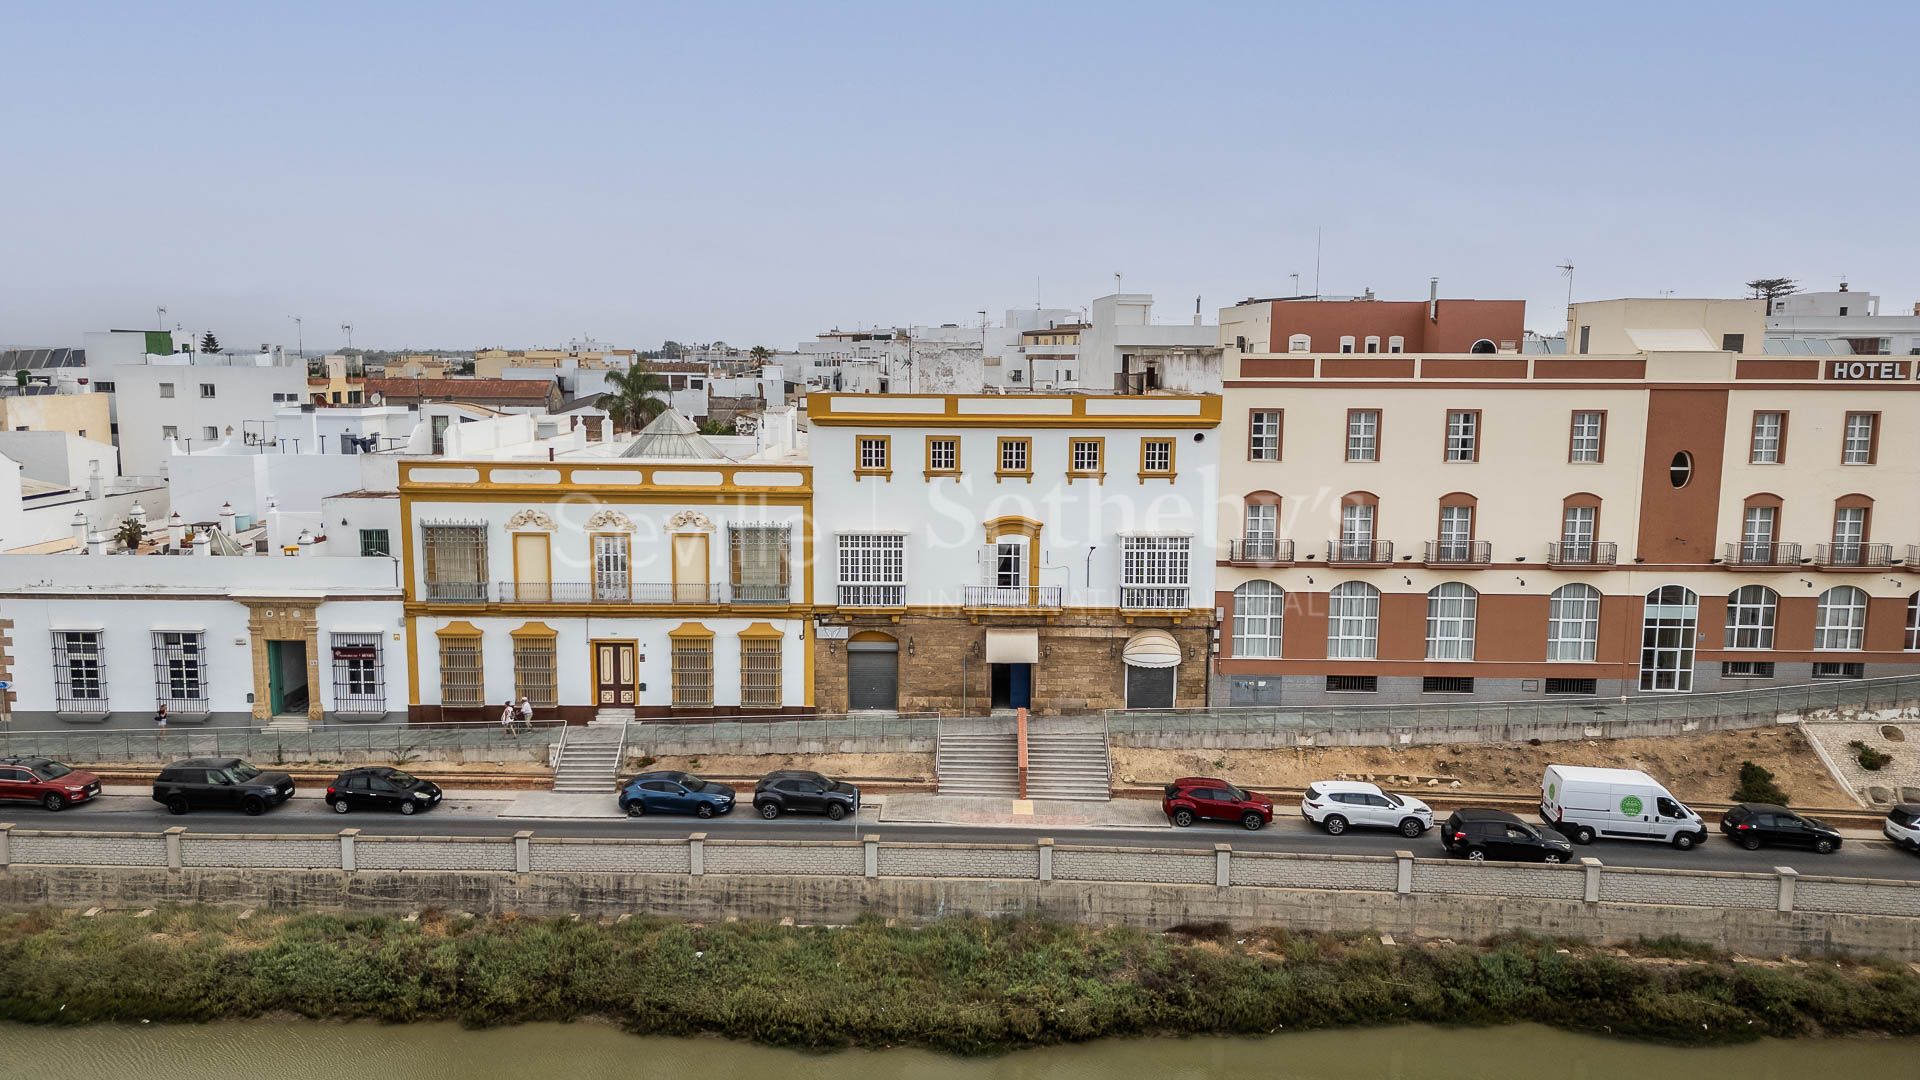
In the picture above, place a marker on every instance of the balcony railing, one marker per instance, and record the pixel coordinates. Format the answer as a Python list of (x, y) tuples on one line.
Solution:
[(876, 596), (1583, 553), (1459, 552), (1017, 596), (1260, 551), (1153, 597), (745, 593), (585, 592), (1759, 554), (1359, 552), (457, 592), (1856, 556), (1913, 555)]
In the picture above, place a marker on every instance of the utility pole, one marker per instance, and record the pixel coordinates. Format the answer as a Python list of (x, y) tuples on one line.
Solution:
[(299, 337), (160, 317)]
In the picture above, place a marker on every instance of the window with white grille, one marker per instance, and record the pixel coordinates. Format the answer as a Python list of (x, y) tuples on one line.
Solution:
[(461, 682), (761, 562), (1262, 523), (359, 680), (1015, 455), (1849, 534), (1363, 435), (1353, 621), (1840, 619), (1257, 611), (1263, 435), (1587, 427), (179, 669), (873, 569), (79, 670), (1576, 533), (1463, 435), (1756, 534), (1768, 427), (1913, 623), (1452, 608), (1858, 447), (1751, 613), (692, 673), (873, 454), (760, 673), (1156, 455), (1573, 623), (1456, 532), (535, 671), (1086, 456), (943, 455), (1153, 571)]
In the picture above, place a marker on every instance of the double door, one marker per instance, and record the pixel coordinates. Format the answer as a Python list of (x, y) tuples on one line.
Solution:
[(616, 675)]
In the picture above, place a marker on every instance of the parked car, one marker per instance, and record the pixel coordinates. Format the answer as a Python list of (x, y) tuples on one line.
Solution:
[(1336, 805), (1903, 826), (1757, 825), (220, 784), (381, 788), (1480, 835), (1203, 798), (1582, 803), (797, 791), (673, 792), (45, 781)]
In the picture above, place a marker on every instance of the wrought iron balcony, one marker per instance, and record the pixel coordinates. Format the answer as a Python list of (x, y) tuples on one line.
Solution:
[(1459, 552), (1776, 556), (1852, 556), (1015, 596), (1154, 597), (457, 592), (1260, 551), (746, 593), (586, 592), (874, 596), (1583, 553), (1360, 552)]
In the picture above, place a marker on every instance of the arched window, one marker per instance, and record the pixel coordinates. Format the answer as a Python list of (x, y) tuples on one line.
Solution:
[(1261, 518), (1353, 621), (1257, 607), (1913, 623), (1667, 639), (1840, 619), (1451, 610), (1750, 617), (1573, 623), (1484, 346), (1299, 343)]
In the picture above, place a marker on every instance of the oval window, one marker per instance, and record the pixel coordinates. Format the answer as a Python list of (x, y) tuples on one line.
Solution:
[(1681, 470)]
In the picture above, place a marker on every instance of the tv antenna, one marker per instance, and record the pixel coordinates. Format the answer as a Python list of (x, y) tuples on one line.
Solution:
[(1566, 271)]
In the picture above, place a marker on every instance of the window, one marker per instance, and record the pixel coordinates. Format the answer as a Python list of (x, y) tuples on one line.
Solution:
[(79, 671), (1300, 343), (692, 672), (1451, 608), (456, 561), (1667, 639), (1913, 623), (1363, 435), (169, 431), (1257, 611), (206, 389), (1746, 669), (1589, 427), (1839, 671), (1016, 458), (1463, 435), (1156, 457), (1262, 526), (179, 669), (1860, 445), (103, 386), (461, 675), (1263, 435), (1577, 526), (1153, 571), (1010, 564), (1346, 343), (375, 542), (359, 679), (872, 569), (210, 433), (1353, 621), (1373, 343), (1456, 534), (166, 389), (1849, 536), (535, 674), (1586, 338), (1396, 344), (759, 560), (1446, 684), (1751, 611), (1733, 343), (1356, 531), (1573, 623), (1769, 438), (1087, 457), (612, 566), (1756, 534), (1573, 686), (760, 673), (1680, 469), (875, 456), (1840, 619), (1353, 684), (943, 455)]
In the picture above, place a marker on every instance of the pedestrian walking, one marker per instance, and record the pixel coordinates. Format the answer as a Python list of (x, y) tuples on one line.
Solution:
[(160, 719), (526, 713), (508, 714)]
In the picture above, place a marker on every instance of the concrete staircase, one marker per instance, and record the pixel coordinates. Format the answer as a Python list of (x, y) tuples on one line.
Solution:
[(978, 764), (589, 761), (287, 725), (1068, 765)]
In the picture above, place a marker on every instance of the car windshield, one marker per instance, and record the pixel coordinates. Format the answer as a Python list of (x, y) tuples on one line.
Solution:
[(50, 770), (240, 773), (693, 783), (1236, 794), (1392, 798), (401, 778)]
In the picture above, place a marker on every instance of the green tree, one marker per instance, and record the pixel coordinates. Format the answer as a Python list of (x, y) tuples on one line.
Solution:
[(1756, 785), (633, 398), (760, 354), (1772, 288), (209, 343), (130, 534)]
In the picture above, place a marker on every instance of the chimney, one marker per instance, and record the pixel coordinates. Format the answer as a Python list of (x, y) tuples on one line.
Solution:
[(606, 422), (205, 546), (1196, 311), (1433, 299), (176, 530), (79, 524), (95, 482), (96, 543), (1843, 286), (226, 518)]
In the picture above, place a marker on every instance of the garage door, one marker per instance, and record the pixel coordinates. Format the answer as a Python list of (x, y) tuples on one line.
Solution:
[(1150, 688), (873, 675)]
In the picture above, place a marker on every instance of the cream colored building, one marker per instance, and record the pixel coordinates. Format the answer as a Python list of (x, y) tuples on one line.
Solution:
[(82, 415)]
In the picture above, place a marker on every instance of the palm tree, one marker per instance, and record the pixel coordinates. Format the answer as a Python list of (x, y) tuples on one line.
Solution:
[(760, 354), (633, 398)]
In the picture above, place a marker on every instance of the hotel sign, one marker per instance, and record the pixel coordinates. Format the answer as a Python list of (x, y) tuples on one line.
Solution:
[(1867, 370)]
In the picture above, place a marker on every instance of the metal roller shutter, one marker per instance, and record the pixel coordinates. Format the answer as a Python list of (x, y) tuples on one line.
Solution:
[(1150, 688), (873, 677)]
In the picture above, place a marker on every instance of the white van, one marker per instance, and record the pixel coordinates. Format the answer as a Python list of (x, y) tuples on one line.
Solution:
[(1583, 803)]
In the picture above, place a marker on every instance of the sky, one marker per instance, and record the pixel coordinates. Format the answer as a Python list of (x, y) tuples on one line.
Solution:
[(523, 175)]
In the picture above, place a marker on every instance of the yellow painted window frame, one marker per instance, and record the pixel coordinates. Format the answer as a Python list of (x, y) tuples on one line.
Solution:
[(1099, 471), (1000, 470), (1173, 451), (885, 471), (932, 472)]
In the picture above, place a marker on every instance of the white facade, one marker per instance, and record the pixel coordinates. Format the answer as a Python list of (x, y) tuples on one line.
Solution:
[(1117, 335), (199, 402), (1838, 323)]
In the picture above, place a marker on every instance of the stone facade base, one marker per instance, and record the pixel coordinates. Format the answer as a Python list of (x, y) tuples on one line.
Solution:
[(581, 714)]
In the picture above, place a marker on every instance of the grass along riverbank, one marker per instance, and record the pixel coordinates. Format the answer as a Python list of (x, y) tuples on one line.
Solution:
[(961, 985)]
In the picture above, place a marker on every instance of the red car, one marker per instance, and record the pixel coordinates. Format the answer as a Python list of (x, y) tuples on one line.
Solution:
[(45, 781), (1203, 798)]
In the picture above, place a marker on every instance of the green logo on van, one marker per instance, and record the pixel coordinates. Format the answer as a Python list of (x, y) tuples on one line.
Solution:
[(1631, 806), (1553, 792)]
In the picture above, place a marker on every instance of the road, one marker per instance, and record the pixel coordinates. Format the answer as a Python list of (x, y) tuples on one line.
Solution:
[(461, 816)]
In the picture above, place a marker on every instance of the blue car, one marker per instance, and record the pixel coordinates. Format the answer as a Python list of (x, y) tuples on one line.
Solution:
[(674, 793)]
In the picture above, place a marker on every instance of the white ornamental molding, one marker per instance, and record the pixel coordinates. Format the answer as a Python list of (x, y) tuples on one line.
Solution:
[(530, 519), (690, 519), (609, 521)]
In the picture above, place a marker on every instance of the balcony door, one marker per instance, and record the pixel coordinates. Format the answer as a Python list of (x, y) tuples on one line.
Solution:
[(612, 567), (532, 567), (690, 578)]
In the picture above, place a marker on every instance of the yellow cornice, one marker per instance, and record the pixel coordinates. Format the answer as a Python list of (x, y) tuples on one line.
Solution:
[(820, 412)]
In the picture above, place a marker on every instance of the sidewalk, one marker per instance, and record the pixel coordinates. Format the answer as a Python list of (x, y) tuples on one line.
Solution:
[(918, 809)]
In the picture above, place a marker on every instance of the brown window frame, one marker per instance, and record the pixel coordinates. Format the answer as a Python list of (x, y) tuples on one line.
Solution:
[(1279, 434), (1873, 438), (1600, 451), (1379, 437), (1446, 436), (1780, 453)]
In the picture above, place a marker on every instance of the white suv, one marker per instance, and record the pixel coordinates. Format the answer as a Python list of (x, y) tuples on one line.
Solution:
[(1903, 826), (1335, 805)]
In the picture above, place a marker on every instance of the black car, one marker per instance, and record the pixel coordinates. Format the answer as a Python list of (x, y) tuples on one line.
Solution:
[(381, 788), (1495, 834), (1757, 825), (220, 784), (799, 791)]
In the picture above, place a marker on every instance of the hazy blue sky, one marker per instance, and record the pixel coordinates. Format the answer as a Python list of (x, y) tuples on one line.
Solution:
[(520, 174)]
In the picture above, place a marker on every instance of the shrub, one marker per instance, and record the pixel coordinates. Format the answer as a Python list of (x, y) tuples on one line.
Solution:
[(1756, 785), (1870, 759)]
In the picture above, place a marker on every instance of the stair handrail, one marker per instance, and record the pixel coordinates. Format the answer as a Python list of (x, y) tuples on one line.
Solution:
[(560, 752), (620, 751)]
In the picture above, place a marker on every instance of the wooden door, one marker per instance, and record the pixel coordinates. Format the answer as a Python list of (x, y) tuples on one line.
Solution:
[(690, 568), (614, 675), (532, 567)]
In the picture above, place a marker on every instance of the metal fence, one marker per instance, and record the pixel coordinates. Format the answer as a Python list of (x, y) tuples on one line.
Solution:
[(382, 743), (904, 733)]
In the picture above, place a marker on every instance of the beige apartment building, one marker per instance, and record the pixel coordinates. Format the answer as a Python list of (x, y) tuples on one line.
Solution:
[(1660, 509)]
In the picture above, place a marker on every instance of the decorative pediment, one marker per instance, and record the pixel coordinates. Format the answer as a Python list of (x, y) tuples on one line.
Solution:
[(530, 519), (609, 521), (690, 519)]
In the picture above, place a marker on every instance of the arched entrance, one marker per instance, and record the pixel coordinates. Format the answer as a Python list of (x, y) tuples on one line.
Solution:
[(1152, 660), (873, 672)]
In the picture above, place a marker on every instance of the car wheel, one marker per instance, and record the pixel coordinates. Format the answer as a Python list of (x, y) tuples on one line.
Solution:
[(340, 806), (1183, 818), (408, 807), (1551, 857), (769, 810), (835, 811), (706, 810), (1751, 843), (1251, 821), (253, 807), (1476, 855), (1824, 847), (54, 802), (636, 809), (1583, 835), (1684, 841), (1412, 828), (177, 805), (1334, 824)]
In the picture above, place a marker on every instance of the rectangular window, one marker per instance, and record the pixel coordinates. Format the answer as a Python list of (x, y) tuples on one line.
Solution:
[(1010, 564), (1769, 438), (1576, 533), (535, 671), (1733, 343), (1156, 457), (1573, 624), (761, 562), (1463, 435), (456, 561), (206, 389), (1746, 669), (179, 669), (1456, 533), (873, 569), (1353, 684), (1262, 526), (1860, 443), (1363, 435), (1756, 535), (1153, 571), (359, 681), (375, 542), (461, 682), (103, 386), (875, 456), (79, 670), (1849, 535), (1589, 427), (1356, 527), (760, 673), (943, 455), (1573, 686), (1086, 457), (1446, 684), (1263, 435), (166, 389), (692, 673), (1016, 457), (169, 431), (1839, 671)]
